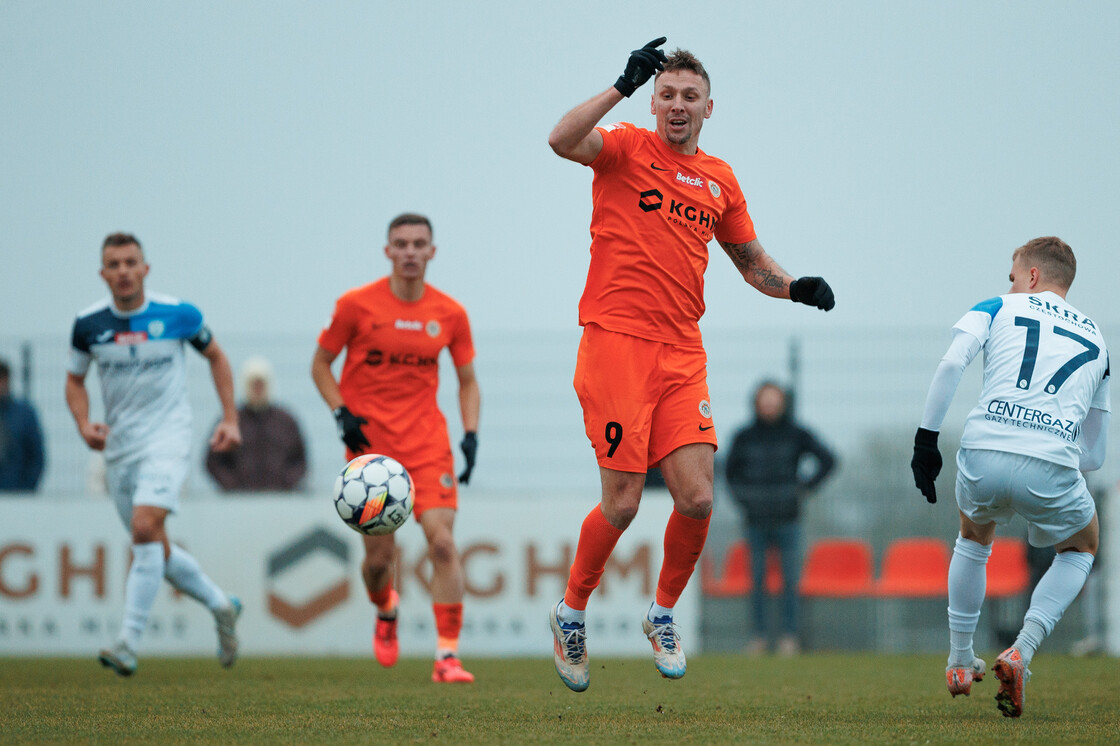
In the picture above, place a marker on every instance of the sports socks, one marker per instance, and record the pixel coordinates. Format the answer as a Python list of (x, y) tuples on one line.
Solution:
[(185, 574), (1052, 596), (597, 538), (144, 577), (684, 541), (967, 582), (384, 600), (449, 623)]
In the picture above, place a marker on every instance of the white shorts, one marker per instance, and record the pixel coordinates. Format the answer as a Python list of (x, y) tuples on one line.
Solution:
[(994, 485), (151, 480)]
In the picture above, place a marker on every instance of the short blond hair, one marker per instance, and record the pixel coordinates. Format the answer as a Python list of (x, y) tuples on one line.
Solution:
[(1053, 257)]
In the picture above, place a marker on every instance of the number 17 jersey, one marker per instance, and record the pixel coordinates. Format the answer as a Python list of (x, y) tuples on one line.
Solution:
[(1045, 366)]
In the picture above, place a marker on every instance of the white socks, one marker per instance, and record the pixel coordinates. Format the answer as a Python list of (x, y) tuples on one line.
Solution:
[(567, 615), (1052, 596), (967, 582), (185, 574), (140, 590)]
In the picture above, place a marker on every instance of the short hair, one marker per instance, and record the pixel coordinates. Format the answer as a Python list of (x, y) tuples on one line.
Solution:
[(5, 370), (410, 218), (682, 59), (1052, 256), (121, 239)]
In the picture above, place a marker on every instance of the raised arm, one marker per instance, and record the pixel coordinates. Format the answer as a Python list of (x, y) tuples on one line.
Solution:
[(575, 136)]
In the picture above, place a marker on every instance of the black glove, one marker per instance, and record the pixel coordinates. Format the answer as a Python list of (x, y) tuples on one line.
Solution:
[(469, 447), (812, 291), (350, 429), (926, 463), (643, 63)]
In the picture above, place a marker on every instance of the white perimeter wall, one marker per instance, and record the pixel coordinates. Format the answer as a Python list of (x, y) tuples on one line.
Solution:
[(296, 568)]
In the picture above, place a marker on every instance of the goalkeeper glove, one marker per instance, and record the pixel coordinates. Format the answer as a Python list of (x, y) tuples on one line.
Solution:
[(926, 463), (643, 63)]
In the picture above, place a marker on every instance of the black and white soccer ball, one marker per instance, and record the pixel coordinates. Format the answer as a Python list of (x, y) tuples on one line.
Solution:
[(374, 494)]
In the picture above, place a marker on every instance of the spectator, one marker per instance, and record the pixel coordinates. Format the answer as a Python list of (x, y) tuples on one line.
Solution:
[(272, 456), (21, 440), (764, 471)]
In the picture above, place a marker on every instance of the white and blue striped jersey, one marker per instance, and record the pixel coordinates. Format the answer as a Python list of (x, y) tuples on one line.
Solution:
[(142, 368), (1045, 366)]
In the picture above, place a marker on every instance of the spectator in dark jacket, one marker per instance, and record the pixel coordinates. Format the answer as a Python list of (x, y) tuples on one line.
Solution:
[(21, 440), (272, 456), (773, 464)]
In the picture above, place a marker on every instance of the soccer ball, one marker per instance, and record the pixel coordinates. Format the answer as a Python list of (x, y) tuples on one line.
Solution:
[(373, 494)]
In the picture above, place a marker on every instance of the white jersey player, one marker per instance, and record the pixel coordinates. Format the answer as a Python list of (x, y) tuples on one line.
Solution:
[(137, 341), (1042, 419)]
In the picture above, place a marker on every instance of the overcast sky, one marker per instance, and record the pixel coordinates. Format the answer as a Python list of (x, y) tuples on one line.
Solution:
[(900, 149)]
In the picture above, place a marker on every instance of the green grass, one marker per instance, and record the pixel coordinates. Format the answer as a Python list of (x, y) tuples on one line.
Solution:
[(726, 699)]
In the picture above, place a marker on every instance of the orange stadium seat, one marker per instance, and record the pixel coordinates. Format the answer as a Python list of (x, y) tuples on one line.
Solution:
[(838, 568), (915, 567), (1008, 574), (734, 577)]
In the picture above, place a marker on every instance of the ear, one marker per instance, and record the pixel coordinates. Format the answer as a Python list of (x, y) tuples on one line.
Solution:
[(1036, 277), (652, 110), (708, 108), (386, 251)]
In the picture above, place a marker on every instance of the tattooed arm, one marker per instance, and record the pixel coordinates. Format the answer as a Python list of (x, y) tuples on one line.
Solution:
[(758, 268)]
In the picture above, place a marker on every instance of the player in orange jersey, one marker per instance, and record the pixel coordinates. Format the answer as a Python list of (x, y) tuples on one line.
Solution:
[(658, 200), (385, 402)]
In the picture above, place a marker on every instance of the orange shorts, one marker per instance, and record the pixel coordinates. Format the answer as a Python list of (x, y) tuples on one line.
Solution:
[(641, 399)]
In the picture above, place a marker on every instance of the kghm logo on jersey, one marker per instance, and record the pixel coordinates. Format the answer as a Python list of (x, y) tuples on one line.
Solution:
[(696, 219)]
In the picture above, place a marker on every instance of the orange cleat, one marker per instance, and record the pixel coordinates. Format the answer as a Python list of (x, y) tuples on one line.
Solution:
[(1012, 674), (385, 646), (960, 678), (450, 671)]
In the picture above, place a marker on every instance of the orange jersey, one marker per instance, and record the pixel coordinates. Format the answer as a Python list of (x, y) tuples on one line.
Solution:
[(654, 213), (391, 372)]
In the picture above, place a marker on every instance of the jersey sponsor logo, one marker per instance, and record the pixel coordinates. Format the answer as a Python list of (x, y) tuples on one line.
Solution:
[(613, 126), (1053, 309), (407, 325), (130, 338), (692, 181), (377, 357), (433, 328), (156, 328), (650, 200), (1016, 415), (655, 167)]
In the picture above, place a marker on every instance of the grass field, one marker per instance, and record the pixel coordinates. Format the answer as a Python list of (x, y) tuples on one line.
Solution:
[(726, 699)]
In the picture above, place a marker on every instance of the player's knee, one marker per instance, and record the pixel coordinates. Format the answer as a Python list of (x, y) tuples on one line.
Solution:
[(146, 529), (695, 504), (441, 551)]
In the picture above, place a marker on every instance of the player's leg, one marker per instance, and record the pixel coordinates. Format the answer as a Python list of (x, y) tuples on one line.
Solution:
[(378, 568), (688, 472), (185, 574), (611, 382), (447, 594), (967, 584)]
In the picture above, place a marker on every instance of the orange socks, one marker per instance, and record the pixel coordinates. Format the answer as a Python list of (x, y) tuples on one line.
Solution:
[(597, 538), (684, 540), (382, 598), (449, 622)]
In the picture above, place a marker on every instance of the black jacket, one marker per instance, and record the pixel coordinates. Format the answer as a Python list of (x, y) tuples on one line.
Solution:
[(762, 469)]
